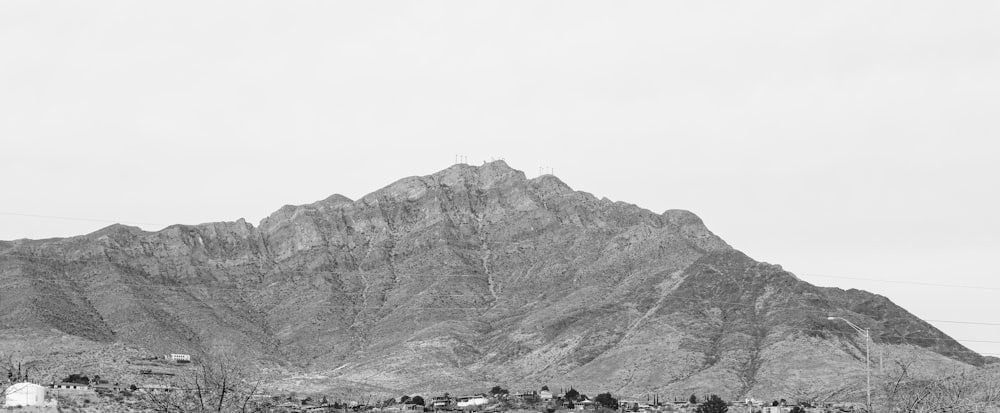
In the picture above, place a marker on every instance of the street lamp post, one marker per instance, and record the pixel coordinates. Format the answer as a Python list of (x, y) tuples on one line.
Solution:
[(868, 364)]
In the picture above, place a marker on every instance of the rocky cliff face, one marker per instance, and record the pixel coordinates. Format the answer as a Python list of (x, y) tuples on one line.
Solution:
[(469, 277)]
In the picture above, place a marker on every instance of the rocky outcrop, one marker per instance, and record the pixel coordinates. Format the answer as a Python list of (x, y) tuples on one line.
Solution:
[(467, 277)]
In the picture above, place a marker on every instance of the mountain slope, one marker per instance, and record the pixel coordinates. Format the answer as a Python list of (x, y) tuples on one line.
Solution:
[(468, 277)]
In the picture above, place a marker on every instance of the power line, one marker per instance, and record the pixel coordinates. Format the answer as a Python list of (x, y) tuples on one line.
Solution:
[(513, 243), (902, 282), (317, 305), (190, 287), (918, 337), (481, 308), (963, 322), (797, 274), (396, 307), (274, 269), (279, 270), (195, 288), (217, 268), (291, 305), (18, 214)]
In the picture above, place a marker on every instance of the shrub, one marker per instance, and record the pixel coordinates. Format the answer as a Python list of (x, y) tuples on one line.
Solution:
[(714, 404), (605, 399)]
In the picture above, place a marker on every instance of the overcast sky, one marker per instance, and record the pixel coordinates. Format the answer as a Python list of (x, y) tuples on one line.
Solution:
[(838, 139)]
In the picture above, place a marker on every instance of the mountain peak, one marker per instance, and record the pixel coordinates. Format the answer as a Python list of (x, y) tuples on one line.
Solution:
[(470, 276), (336, 199), (551, 183), (486, 175)]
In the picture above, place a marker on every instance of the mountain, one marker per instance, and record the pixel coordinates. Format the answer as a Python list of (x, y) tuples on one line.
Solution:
[(469, 277)]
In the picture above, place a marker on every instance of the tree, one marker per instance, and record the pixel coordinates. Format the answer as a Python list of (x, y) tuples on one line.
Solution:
[(78, 378), (417, 400), (798, 409), (545, 388), (572, 394), (404, 400), (497, 391), (813, 394), (714, 404), (13, 370), (605, 399), (903, 389), (219, 384), (693, 399)]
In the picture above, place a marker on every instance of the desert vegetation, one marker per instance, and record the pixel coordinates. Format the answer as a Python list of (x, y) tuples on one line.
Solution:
[(220, 383)]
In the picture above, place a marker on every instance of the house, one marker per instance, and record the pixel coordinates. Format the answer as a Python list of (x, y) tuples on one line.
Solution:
[(24, 394), (402, 408), (178, 358), (632, 405), (441, 402), (545, 395), (156, 388), (71, 386), (472, 401), (108, 388)]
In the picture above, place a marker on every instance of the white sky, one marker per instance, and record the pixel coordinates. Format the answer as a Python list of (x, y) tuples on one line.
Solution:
[(852, 139)]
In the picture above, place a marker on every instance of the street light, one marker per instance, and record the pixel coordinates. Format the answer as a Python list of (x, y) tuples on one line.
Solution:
[(868, 364)]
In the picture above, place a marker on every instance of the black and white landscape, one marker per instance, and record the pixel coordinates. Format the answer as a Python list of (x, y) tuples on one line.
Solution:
[(642, 200)]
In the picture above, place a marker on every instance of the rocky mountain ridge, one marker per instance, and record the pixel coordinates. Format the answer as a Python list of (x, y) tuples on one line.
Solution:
[(466, 277)]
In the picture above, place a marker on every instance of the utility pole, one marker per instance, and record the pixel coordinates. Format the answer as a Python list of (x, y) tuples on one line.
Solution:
[(868, 359)]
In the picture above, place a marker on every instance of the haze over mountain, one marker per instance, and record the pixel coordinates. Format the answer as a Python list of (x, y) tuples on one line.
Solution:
[(469, 277)]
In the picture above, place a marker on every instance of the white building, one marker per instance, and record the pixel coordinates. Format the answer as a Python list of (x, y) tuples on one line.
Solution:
[(440, 402), (70, 386), (473, 401), (179, 358), (24, 394)]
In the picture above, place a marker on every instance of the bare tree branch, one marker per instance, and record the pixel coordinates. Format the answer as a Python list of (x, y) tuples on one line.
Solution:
[(220, 383)]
